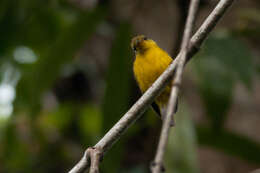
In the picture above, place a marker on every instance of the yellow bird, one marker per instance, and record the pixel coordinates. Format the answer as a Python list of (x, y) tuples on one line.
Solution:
[(150, 62)]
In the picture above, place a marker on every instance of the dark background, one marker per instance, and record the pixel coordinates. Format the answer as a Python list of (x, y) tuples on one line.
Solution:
[(66, 78)]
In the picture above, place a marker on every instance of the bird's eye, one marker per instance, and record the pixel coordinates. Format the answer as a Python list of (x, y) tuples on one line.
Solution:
[(135, 48), (145, 38)]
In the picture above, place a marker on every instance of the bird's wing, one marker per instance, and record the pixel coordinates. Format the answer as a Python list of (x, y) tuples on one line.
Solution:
[(156, 109)]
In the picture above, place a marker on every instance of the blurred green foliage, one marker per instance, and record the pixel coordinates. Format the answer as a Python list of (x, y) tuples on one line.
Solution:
[(181, 152), (221, 63), (56, 112), (231, 143), (62, 51), (116, 100)]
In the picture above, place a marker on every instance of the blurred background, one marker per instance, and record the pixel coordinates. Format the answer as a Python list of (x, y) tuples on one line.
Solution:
[(66, 78)]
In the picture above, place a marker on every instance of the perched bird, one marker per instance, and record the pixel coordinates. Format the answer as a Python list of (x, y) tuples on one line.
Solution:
[(150, 62)]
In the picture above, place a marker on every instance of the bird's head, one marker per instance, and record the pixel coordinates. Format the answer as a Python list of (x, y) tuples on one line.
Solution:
[(141, 43)]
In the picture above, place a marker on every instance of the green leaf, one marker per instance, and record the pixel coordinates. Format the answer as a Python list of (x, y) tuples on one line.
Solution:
[(222, 61), (232, 54)]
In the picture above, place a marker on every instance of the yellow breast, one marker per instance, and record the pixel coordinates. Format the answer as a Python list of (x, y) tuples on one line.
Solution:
[(148, 66)]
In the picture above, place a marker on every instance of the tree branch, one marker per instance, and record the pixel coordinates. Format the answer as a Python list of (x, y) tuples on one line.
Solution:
[(157, 166), (83, 164), (208, 26), (142, 104)]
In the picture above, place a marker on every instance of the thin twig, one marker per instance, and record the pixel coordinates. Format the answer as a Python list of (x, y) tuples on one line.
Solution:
[(157, 166), (83, 164), (207, 26), (95, 158), (142, 104)]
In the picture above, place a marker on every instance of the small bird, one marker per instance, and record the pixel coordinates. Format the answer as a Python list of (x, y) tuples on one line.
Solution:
[(150, 62)]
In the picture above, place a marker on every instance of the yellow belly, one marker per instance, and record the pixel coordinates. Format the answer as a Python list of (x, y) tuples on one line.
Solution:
[(148, 67)]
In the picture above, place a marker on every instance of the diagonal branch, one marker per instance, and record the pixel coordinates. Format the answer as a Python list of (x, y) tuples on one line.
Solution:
[(157, 165), (142, 104)]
